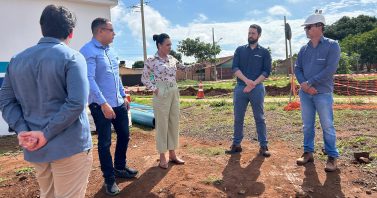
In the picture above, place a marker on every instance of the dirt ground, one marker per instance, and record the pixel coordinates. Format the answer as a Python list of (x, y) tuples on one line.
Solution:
[(244, 175), (208, 172)]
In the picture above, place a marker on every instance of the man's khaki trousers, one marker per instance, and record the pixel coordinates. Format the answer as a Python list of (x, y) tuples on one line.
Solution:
[(67, 177)]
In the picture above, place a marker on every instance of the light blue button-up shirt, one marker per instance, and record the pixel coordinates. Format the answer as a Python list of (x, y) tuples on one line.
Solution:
[(46, 89), (318, 65), (103, 74)]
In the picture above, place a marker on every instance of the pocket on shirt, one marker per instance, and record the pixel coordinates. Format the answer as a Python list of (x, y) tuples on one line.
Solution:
[(320, 61)]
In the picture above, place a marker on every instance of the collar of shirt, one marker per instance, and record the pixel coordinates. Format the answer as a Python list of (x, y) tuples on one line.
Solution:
[(158, 57), (50, 40), (320, 41), (248, 46), (99, 45)]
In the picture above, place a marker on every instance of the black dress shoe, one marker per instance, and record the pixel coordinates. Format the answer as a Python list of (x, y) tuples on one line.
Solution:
[(131, 170), (124, 174), (111, 189), (234, 149)]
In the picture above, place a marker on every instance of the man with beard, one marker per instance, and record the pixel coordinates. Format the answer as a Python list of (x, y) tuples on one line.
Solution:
[(251, 65), (315, 67)]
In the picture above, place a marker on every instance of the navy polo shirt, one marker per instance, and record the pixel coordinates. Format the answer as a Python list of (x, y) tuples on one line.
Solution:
[(252, 62)]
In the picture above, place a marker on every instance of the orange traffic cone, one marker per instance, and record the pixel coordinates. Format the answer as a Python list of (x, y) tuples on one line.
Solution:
[(128, 96), (200, 91)]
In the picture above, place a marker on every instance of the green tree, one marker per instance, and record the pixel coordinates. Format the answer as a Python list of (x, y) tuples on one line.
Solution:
[(346, 26), (354, 61), (365, 45), (176, 55), (344, 64), (200, 50), (138, 64)]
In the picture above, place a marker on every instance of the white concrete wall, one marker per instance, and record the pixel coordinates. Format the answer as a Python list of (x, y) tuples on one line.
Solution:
[(20, 27)]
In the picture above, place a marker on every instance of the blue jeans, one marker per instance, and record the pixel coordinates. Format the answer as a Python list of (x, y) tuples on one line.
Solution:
[(323, 104), (240, 102), (103, 128)]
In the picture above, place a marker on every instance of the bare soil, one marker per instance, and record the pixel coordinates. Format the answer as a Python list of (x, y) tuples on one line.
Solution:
[(208, 172)]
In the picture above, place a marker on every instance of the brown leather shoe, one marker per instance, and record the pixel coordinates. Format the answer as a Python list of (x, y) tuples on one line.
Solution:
[(331, 165), (234, 149), (264, 151), (305, 158)]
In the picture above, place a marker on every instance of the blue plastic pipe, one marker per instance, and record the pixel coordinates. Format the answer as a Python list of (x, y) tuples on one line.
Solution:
[(142, 114)]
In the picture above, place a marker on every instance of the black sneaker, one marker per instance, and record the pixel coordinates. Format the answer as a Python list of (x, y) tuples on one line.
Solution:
[(111, 189), (234, 149), (126, 173), (263, 150)]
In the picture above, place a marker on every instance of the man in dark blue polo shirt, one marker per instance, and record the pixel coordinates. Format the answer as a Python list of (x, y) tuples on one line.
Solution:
[(251, 65), (315, 67)]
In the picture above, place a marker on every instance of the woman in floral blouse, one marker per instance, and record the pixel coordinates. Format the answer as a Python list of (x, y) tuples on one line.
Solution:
[(159, 75)]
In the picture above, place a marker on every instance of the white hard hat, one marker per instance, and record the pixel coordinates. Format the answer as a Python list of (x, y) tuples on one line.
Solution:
[(317, 17)]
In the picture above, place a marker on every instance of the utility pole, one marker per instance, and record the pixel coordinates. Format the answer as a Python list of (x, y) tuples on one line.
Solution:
[(213, 45), (286, 46), (143, 30)]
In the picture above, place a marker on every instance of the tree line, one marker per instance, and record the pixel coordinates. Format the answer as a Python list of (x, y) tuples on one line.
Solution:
[(358, 41)]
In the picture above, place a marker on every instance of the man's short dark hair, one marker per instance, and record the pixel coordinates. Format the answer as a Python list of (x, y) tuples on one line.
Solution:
[(98, 23), (255, 26), (57, 22)]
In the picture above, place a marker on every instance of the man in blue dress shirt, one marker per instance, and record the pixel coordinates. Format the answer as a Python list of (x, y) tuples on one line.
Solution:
[(43, 98), (108, 103), (315, 67), (251, 65)]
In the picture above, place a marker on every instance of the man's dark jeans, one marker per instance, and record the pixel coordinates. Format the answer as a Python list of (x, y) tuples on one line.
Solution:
[(103, 128)]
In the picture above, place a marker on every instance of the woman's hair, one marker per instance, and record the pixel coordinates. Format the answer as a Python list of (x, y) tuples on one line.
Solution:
[(160, 38)]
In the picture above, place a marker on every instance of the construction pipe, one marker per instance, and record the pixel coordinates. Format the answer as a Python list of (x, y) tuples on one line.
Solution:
[(142, 114)]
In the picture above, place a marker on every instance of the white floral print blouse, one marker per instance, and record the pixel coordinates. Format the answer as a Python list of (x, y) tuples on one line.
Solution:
[(157, 69)]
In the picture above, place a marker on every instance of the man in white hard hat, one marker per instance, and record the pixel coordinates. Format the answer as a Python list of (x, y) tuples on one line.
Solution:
[(315, 67)]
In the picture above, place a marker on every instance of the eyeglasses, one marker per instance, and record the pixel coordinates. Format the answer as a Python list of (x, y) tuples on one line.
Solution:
[(308, 27), (110, 29)]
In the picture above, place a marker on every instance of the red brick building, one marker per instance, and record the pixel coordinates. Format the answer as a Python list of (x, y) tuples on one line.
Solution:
[(223, 67)]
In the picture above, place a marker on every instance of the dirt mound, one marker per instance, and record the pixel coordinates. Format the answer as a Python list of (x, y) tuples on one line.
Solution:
[(190, 91), (271, 91)]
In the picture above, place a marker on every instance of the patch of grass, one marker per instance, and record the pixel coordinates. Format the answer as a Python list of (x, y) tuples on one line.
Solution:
[(213, 180), (369, 167), (145, 101), (364, 77), (277, 82), (271, 106), (359, 139), (186, 104), (24, 170), (218, 103), (3, 179), (358, 101), (225, 84), (10, 153), (209, 152)]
